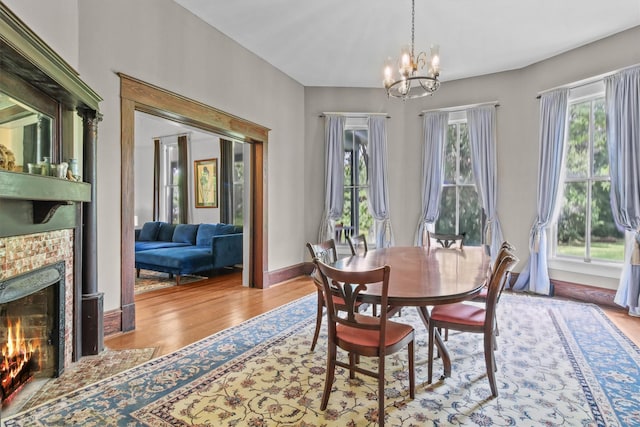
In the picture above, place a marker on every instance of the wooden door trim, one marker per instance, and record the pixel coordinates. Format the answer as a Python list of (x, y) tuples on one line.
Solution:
[(136, 95)]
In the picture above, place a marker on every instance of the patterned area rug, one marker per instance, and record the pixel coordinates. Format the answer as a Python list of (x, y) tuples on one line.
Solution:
[(559, 363), (153, 280)]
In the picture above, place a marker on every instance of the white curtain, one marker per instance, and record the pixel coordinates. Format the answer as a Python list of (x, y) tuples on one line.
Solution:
[(435, 135), (623, 139), (481, 124), (553, 117), (378, 181), (334, 175)]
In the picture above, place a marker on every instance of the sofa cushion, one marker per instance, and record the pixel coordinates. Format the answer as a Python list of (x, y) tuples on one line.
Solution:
[(227, 229), (157, 244), (205, 234), (149, 231), (165, 233), (185, 233)]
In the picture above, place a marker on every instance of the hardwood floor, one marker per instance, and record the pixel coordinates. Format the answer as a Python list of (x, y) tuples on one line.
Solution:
[(171, 318)]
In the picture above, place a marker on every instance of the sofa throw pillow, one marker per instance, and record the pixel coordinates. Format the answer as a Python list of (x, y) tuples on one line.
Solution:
[(165, 234), (226, 228), (185, 233), (149, 231), (205, 234)]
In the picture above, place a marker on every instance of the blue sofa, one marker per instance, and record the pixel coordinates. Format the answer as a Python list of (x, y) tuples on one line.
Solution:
[(180, 249)]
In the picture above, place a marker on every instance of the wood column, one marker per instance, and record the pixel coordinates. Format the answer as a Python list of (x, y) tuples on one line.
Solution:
[(92, 300)]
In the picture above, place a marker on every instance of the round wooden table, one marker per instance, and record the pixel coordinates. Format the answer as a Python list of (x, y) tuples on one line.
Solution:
[(421, 277)]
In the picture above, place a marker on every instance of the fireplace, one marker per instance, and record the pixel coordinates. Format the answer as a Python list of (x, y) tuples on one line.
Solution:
[(32, 336)]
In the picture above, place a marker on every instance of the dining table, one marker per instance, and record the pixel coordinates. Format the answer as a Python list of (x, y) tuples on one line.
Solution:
[(422, 277)]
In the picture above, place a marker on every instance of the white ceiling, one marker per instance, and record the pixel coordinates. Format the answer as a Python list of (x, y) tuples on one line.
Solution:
[(345, 42)]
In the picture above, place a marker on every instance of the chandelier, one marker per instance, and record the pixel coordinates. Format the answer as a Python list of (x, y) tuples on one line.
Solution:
[(418, 74)]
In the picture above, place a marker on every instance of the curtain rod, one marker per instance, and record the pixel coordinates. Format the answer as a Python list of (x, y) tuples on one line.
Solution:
[(173, 134), (459, 108), (324, 114), (586, 81)]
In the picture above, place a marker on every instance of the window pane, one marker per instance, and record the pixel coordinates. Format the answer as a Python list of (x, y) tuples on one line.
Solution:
[(578, 143), (365, 220), (361, 139), (470, 213), (466, 174), (450, 155), (600, 153), (348, 156), (571, 224), (446, 222), (607, 242)]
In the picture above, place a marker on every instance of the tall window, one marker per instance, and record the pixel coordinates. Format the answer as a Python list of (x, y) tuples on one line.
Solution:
[(238, 183), (586, 228), (170, 184), (356, 218), (460, 210)]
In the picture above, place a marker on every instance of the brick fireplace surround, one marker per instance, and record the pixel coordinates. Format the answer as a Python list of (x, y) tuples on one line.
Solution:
[(22, 254)]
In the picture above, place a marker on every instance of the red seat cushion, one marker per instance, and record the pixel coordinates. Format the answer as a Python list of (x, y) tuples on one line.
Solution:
[(396, 332), (465, 314)]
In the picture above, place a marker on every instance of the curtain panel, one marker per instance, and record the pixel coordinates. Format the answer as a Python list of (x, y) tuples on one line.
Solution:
[(622, 99), (334, 175), (481, 122), (226, 181), (435, 126), (553, 118), (378, 181)]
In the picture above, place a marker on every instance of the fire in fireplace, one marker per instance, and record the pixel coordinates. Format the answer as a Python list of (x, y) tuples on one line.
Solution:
[(20, 359), (31, 328)]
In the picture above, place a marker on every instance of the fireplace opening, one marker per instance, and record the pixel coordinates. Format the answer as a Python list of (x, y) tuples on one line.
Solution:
[(31, 329)]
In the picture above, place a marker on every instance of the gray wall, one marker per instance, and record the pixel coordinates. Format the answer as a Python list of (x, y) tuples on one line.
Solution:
[(159, 42), (517, 140)]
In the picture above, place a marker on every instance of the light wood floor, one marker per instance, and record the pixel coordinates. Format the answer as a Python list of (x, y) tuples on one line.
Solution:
[(171, 318)]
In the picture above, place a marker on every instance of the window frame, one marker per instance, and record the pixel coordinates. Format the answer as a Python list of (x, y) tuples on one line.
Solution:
[(457, 118), (353, 124), (583, 264)]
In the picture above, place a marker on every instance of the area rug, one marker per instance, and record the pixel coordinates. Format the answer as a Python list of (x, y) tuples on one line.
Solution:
[(559, 363), (153, 280)]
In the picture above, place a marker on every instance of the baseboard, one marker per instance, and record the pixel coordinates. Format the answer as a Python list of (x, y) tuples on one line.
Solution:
[(584, 293), (288, 273), (112, 322)]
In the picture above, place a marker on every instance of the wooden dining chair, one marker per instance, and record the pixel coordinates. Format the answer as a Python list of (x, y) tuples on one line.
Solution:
[(446, 240), (325, 251), (471, 318), (359, 334), (358, 244)]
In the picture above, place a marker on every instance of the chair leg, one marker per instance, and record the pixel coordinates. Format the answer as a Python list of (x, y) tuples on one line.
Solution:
[(318, 321), (177, 280), (138, 273), (432, 330), (412, 372), (328, 382), (353, 360), (489, 360), (381, 385)]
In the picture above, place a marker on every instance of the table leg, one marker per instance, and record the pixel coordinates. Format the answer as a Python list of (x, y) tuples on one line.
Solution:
[(444, 354)]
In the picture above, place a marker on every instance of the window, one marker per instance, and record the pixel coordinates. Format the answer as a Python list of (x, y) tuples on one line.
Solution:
[(238, 183), (460, 210), (170, 202), (585, 227), (356, 218)]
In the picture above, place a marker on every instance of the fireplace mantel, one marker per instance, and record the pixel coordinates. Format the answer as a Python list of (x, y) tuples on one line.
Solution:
[(28, 201)]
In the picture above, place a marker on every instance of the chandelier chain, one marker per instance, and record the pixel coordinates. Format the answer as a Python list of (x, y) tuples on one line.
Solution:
[(413, 21)]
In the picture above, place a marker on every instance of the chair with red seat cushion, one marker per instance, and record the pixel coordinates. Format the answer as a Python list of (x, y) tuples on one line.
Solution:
[(326, 251), (359, 334), (471, 318)]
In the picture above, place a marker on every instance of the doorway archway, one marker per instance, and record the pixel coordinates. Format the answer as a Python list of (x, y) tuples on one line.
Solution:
[(136, 95)]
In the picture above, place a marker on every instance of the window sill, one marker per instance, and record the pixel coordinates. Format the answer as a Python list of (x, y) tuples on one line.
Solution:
[(593, 268)]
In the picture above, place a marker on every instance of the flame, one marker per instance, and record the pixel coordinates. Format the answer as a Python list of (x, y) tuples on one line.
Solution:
[(16, 352)]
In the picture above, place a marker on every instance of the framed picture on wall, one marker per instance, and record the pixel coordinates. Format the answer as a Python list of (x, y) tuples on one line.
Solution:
[(205, 173)]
